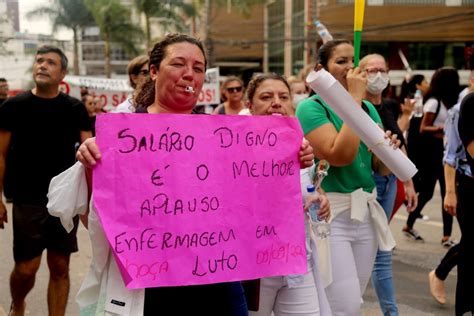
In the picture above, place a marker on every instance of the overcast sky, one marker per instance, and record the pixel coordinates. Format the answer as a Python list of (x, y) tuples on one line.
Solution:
[(38, 26)]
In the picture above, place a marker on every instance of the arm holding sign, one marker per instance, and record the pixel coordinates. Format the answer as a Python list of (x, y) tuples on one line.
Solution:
[(88, 154), (306, 154)]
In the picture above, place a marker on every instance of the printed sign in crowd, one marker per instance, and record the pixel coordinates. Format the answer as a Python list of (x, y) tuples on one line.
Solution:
[(197, 199), (112, 92)]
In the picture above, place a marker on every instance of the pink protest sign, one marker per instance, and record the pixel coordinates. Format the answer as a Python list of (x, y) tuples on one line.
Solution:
[(197, 199)]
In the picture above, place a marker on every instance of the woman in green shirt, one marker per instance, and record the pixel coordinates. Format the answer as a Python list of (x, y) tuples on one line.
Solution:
[(356, 231)]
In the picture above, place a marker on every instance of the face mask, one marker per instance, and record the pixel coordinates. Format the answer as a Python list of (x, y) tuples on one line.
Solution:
[(376, 83), (297, 98)]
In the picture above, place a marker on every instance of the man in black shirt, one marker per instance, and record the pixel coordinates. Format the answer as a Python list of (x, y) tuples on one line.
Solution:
[(26, 120)]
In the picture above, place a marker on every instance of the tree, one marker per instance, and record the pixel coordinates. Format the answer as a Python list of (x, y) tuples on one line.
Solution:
[(113, 20), (172, 12), (69, 14)]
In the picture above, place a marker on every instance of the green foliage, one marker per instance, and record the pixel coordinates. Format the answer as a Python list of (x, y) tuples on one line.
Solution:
[(71, 14), (171, 12), (165, 8), (114, 22), (243, 7)]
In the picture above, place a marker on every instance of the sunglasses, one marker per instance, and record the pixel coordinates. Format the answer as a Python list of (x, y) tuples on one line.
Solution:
[(234, 89)]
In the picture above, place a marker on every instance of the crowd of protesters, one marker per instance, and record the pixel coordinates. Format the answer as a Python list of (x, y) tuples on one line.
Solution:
[(440, 142)]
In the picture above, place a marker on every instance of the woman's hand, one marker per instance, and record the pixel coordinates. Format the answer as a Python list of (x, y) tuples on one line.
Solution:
[(394, 141), (88, 153), (377, 164), (450, 203), (357, 84), (324, 207), (410, 196), (306, 154), (408, 106)]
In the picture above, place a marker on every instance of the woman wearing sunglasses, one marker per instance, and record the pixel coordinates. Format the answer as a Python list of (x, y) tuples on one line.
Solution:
[(233, 94)]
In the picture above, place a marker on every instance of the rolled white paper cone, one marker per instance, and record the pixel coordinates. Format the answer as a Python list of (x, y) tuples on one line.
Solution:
[(334, 94)]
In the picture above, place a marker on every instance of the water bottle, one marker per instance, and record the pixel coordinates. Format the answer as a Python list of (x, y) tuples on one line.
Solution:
[(418, 109), (323, 32), (320, 227)]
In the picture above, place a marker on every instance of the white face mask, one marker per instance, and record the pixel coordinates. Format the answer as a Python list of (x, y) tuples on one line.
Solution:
[(376, 83), (297, 98)]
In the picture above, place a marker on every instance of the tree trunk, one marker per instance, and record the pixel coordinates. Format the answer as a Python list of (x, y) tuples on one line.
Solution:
[(207, 32), (148, 31), (76, 52), (107, 66)]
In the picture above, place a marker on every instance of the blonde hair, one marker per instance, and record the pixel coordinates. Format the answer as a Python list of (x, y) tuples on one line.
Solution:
[(363, 62)]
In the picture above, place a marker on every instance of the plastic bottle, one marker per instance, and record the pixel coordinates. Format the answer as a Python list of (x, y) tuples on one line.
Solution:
[(320, 227), (418, 108), (323, 32)]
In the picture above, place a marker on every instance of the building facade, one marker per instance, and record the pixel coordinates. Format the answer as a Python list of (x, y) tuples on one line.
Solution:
[(280, 35)]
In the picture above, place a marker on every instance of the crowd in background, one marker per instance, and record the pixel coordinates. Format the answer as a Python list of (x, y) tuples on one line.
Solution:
[(436, 137)]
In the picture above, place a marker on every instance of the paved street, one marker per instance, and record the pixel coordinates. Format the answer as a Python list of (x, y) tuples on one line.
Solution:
[(412, 262)]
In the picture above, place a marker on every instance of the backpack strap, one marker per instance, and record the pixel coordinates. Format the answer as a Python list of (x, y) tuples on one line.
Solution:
[(317, 100), (438, 108)]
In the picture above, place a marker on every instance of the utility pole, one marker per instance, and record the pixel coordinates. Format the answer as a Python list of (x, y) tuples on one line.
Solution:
[(266, 68), (288, 65), (207, 32), (308, 13)]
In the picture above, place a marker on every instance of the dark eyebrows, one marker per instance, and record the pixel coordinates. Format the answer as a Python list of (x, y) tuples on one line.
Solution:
[(41, 58), (184, 59)]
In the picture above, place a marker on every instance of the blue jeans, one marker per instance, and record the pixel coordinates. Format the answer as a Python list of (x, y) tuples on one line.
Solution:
[(382, 277)]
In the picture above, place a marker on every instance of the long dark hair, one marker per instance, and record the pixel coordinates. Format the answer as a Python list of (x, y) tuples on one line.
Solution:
[(408, 87), (146, 94), (445, 86), (326, 50)]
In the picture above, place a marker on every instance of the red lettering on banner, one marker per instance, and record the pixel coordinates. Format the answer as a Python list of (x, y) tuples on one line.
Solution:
[(103, 100)]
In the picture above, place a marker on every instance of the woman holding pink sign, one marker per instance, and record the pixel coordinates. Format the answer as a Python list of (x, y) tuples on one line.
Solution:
[(177, 71), (270, 94), (349, 185)]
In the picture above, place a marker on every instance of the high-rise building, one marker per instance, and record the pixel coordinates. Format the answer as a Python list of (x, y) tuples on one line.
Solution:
[(14, 14)]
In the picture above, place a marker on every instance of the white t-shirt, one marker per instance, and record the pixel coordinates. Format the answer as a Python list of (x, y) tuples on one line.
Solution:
[(430, 106), (125, 107), (462, 94)]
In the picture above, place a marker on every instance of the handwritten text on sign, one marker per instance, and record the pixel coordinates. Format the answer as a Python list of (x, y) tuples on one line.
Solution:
[(196, 199)]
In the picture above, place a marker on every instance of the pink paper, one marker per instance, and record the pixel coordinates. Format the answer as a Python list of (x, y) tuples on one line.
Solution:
[(197, 199)]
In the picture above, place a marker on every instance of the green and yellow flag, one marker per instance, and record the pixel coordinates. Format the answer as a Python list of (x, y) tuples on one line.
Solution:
[(359, 7)]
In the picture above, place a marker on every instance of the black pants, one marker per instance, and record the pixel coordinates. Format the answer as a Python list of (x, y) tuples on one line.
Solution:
[(465, 214), (430, 170), (211, 299), (449, 261)]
